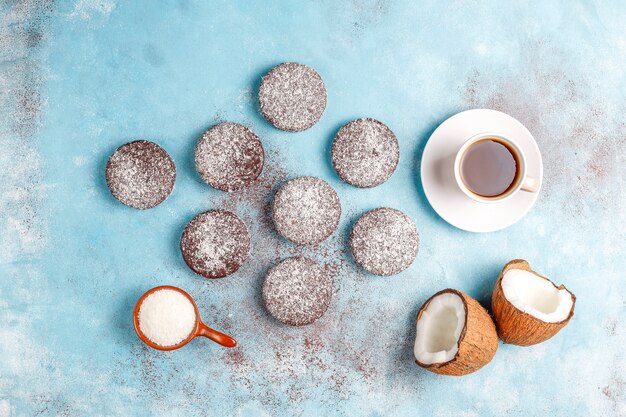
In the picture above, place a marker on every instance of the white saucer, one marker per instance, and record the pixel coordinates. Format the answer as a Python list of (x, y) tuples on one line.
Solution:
[(437, 171)]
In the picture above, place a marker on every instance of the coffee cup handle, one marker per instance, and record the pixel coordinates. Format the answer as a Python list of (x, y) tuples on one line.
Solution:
[(530, 184)]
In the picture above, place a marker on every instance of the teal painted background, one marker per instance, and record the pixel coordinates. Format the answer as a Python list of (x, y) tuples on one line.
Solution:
[(79, 78)]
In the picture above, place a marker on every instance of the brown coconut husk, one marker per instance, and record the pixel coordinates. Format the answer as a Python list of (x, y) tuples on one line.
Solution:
[(516, 327), (477, 343)]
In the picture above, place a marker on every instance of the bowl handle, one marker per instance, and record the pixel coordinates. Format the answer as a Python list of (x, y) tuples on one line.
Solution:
[(214, 335)]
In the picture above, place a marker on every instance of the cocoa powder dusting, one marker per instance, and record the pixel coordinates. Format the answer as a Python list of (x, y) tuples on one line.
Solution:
[(549, 102), (323, 350)]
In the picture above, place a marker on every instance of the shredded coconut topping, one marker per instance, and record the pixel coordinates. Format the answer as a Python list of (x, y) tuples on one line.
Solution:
[(365, 153), (140, 174), (215, 243), (306, 210), (166, 317), (229, 156), (297, 291), (384, 241), (292, 97)]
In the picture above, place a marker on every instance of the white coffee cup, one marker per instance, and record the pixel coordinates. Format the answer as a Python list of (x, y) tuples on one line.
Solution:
[(522, 181)]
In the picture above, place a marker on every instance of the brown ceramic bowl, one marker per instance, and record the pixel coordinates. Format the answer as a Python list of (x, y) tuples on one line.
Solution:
[(200, 329)]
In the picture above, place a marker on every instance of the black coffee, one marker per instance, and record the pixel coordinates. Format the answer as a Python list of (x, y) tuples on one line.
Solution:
[(489, 167)]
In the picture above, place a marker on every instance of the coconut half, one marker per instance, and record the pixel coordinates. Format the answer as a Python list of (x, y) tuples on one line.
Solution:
[(454, 334), (528, 307)]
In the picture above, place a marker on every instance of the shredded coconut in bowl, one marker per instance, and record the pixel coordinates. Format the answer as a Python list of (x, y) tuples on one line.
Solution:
[(166, 317)]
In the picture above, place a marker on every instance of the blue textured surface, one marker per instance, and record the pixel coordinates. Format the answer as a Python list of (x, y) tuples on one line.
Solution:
[(77, 79)]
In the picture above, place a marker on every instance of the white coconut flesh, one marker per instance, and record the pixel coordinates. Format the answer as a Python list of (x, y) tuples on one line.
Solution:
[(536, 296), (439, 328)]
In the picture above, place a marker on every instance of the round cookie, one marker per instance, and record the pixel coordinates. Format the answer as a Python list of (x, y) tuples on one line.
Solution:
[(215, 243), (365, 153), (140, 174), (297, 291), (306, 210), (292, 97), (384, 241), (229, 156)]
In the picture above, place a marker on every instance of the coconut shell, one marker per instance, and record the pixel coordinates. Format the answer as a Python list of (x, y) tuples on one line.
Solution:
[(477, 343), (515, 326)]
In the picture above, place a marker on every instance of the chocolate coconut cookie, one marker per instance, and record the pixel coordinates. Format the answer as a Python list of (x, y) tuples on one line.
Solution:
[(297, 291), (292, 97), (384, 241), (215, 243), (365, 153), (140, 174), (229, 156), (306, 210)]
